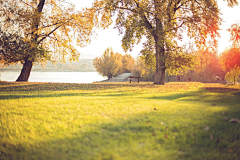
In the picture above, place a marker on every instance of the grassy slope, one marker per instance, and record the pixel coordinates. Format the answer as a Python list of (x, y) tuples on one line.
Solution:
[(118, 121)]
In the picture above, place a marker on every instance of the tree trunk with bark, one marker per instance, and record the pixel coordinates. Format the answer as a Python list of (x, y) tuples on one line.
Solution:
[(25, 72), (27, 66), (160, 51), (160, 65)]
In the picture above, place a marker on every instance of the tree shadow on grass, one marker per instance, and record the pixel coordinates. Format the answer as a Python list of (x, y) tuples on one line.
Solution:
[(203, 95), (23, 86), (147, 135), (65, 94), (221, 89), (31, 90)]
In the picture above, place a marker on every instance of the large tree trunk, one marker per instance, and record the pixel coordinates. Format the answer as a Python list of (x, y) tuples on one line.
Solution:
[(160, 51), (160, 65), (160, 71), (25, 72), (27, 66)]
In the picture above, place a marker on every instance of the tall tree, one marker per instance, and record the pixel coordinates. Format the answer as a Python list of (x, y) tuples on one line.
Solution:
[(163, 23), (53, 25), (230, 58)]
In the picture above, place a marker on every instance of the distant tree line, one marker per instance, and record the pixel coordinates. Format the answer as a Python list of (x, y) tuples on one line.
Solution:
[(205, 67)]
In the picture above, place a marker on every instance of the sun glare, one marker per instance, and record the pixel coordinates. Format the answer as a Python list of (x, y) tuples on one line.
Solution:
[(230, 16)]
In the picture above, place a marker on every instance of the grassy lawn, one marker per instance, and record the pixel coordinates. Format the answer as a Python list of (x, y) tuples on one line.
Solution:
[(178, 121)]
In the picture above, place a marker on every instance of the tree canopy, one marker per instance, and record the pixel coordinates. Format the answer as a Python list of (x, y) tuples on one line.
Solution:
[(230, 58), (109, 64), (14, 48), (163, 23), (55, 25)]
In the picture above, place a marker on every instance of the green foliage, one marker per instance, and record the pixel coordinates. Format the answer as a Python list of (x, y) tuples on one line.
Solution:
[(162, 23), (177, 62), (15, 48), (118, 121), (177, 59)]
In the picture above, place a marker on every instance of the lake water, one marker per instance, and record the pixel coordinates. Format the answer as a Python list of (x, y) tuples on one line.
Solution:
[(61, 77)]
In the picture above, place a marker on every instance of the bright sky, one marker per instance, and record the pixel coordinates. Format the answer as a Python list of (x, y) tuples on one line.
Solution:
[(110, 37)]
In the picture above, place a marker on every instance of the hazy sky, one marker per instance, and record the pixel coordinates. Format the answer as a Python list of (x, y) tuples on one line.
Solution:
[(110, 37)]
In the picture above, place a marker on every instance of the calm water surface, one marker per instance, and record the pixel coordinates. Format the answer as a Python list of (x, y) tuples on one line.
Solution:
[(61, 77)]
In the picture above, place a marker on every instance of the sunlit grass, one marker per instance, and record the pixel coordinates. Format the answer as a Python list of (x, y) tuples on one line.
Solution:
[(119, 121)]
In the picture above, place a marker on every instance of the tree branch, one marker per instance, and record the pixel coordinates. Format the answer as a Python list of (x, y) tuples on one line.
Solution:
[(27, 4), (49, 34), (147, 23)]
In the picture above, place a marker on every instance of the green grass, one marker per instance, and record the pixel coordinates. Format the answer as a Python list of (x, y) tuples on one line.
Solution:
[(119, 121)]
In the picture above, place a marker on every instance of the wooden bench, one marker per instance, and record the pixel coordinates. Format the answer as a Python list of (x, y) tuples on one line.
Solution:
[(132, 77)]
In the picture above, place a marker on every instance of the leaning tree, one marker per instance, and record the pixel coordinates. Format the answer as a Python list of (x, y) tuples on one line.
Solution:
[(51, 30), (163, 23)]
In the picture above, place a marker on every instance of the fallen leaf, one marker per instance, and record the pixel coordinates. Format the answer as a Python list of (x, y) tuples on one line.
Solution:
[(211, 137), (146, 122), (166, 136), (206, 128), (192, 134), (153, 134), (166, 129), (226, 119), (230, 151), (155, 109), (180, 152), (234, 120)]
